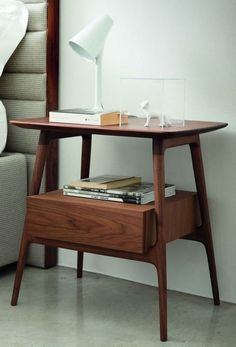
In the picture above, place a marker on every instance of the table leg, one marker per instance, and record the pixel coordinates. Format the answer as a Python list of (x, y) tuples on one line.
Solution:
[(20, 269), (206, 225), (160, 254), (85, 167), (162, 288), (41, 155)]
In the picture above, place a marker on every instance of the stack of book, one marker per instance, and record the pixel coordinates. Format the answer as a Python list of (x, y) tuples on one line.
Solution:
[(128, 189)]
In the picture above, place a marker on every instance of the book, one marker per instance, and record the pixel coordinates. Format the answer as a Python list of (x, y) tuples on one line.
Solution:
[(105, 182), (141, 189), (87, 117), (110, 197), (134, 190), (137, 193)]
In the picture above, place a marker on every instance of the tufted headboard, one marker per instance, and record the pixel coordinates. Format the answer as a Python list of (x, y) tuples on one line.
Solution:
[(29, 88)]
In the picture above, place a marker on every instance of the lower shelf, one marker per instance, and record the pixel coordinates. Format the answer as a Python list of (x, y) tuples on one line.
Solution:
[(104, 224)]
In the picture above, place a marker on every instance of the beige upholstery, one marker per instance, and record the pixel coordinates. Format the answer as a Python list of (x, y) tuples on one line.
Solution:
[(13, 188), (22, 140), (23, 86), (30, 55), (23, 93)]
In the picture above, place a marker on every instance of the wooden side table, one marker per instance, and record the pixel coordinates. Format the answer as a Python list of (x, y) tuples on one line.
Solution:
[(137, 232)]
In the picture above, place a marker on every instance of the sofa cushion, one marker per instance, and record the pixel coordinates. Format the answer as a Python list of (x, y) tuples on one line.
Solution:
[(13, 187)]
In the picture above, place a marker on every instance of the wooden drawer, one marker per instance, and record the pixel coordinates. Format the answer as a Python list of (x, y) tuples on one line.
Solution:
[(108, 225), (103, 224), (180, 215)]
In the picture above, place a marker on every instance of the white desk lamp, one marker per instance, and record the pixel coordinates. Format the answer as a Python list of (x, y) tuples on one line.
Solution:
[(89, 43)]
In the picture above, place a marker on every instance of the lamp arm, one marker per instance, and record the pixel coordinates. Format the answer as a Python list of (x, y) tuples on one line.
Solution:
[(98, 83)]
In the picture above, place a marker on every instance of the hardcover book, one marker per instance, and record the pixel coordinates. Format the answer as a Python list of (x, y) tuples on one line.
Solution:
[(81, 116), (105, 182), (142, 193)]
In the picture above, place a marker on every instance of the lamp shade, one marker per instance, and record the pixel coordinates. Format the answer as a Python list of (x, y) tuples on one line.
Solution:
[(89, 42)]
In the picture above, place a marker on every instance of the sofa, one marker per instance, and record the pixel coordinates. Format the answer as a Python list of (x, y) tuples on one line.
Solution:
[(28, 88)]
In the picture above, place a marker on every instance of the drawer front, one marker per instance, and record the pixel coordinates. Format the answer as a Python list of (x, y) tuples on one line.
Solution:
[(92, 225)]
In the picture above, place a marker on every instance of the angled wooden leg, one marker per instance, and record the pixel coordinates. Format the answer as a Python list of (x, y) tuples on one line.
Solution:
[(212, 269), (19, 270), (41, 156), (206, 226), (160, 254), (85, 167), (162, 288)]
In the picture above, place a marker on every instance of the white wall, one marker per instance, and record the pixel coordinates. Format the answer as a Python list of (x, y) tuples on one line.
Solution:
[(195, 40)]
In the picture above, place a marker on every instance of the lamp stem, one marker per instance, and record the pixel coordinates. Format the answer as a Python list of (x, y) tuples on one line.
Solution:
[(98, 84)]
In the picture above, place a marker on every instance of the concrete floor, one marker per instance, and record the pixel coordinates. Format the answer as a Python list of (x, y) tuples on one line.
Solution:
[(56, 309)]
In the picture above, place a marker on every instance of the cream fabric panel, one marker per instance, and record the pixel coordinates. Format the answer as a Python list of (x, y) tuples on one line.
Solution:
[(23, 86), (38, 17), (13, 188), (23, 140), (29, 57)]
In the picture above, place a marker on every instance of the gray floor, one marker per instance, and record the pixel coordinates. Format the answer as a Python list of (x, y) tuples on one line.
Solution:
[(56, 309)]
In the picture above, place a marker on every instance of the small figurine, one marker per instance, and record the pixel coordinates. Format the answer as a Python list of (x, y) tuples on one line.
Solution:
[(164, 121), (145, 108)]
